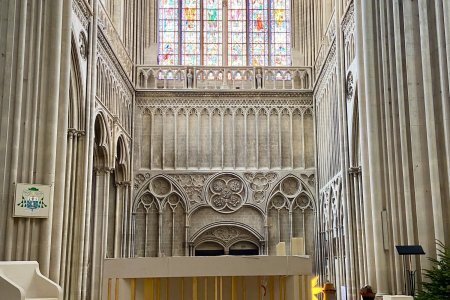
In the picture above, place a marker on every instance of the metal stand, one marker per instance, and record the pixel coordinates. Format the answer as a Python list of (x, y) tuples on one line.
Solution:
[(409, 274)]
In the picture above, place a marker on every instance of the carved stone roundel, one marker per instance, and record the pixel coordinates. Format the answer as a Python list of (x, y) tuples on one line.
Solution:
[(303, 202), (226, 193), (290, 186), (278, 202), (160, 186)]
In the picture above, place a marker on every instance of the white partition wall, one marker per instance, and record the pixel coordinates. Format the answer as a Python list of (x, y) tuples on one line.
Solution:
[(195, 278)]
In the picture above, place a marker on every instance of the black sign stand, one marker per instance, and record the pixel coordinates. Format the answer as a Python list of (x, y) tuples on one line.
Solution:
[(409, 274)]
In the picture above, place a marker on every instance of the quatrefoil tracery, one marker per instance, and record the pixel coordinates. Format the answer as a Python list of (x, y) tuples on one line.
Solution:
[(227, 193)]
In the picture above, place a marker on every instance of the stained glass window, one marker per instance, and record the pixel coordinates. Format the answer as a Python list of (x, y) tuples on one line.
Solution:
[(212, 32), (190, 32), (224, 32), (280, 37), (168, 29), (259, 33), (237, 33)]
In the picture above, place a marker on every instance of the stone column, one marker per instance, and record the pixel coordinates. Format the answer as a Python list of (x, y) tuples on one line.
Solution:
[(58, 198), (160, 225), (444, 46), (53, 53), (368, 225), (11, 107), (374, 170), (87, 166), (428, 44), (347, 227), (418, 135), (404, 175)]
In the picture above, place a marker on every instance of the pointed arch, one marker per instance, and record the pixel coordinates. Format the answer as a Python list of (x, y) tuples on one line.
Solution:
[(122, 160), (101, 141), (76, 94)]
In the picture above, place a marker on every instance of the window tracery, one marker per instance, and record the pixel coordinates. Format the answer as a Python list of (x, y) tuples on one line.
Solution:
[(228, 32)]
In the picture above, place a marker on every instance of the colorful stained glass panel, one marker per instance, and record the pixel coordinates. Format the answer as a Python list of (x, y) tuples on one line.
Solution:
[(280, 33), (237, 33), (190, 28), (258, 32), (190, 32), (212, 32)]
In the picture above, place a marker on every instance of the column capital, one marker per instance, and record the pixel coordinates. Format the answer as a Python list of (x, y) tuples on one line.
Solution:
[(354, 170), (123, 183), (73, 132), (102, 170)]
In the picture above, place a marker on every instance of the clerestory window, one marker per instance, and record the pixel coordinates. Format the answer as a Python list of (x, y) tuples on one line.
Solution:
[(224, 32)]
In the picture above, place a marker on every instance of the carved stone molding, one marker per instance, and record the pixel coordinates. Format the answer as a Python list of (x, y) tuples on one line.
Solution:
[(106, 52), (328, 40), (259, 184), (224, 233), (348, 22), (274, 96), (227, 235), (328, 69), (82, 11), (217, 104), (113, 39), (211, 110)]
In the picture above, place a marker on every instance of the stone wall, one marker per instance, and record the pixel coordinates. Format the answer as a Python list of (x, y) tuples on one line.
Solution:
[(197, 131), (174, 211), (242, 168)]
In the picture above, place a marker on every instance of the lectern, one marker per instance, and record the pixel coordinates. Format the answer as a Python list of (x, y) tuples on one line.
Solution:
[(406, 251)]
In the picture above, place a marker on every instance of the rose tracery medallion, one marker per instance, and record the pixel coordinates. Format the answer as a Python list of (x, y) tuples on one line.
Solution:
[(226, 193)]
